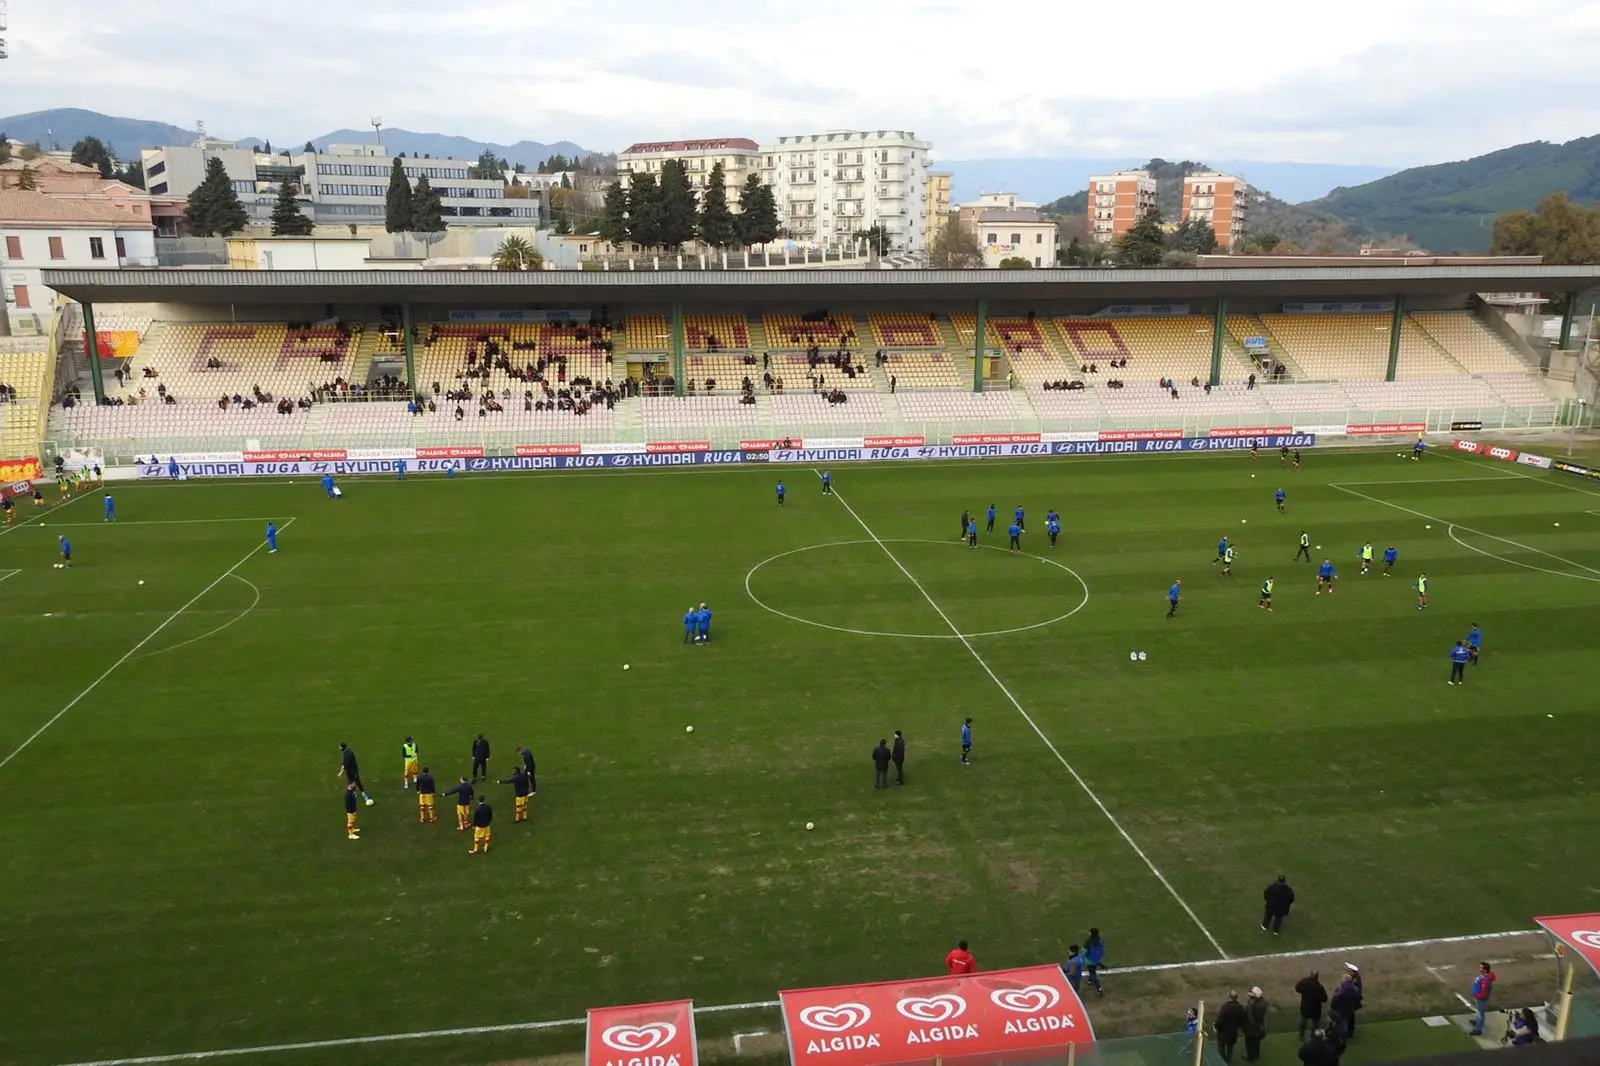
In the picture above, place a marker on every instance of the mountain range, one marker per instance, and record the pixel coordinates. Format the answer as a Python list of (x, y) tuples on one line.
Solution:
[(1042, 179)]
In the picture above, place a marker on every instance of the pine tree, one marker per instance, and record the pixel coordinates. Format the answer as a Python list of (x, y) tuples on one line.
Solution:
[(92, 152), (1142, 245), (757, 221), (677, 205), (716, 221), (268, 148), (644, 210), (311, 148), (397, 208), (614, 216), (287, 218), (427, 214), (214, 209), (5, 147), (27, 180)]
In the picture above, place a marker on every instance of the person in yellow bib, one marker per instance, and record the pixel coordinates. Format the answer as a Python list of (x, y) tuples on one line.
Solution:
[(425, 792), (482, 818), (1366, 558), (1422, 591), (408, 760)]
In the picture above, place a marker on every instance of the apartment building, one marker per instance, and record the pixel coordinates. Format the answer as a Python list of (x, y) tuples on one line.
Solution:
[(1116, 201), (41, 232), (830, 185), (1010, 228), (740, 157), (1220, 199), (936, 207)]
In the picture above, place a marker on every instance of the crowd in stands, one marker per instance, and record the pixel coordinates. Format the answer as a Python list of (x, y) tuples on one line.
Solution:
[(8, 393), (259, 398)]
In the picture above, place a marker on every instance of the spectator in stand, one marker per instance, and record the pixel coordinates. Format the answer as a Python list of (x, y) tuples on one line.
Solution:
[(1312, 996), (959, 961)]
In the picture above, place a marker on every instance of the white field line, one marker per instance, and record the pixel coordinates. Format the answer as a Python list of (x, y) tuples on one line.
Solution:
[(131, 652), (1026, 717), (13, 527), (164, 522), (1531, 477), (1430, 480), (1469, 529), (210, 632), (8, 573), (736, 1008)]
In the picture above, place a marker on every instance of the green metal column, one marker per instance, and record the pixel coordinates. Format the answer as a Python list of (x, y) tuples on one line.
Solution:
[(978, 345), (411, 350), (91, 347), (1396, 326), (1567, 314), (677, 347), (1219, 329)]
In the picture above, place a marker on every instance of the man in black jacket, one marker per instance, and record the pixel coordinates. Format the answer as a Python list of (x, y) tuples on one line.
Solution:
[(1279, 897), (1255, 1024), (1312, 997), (480, 758), (1319, 1050), (1346, 1001), (897, 755), (1229, 1021), (880, 763)]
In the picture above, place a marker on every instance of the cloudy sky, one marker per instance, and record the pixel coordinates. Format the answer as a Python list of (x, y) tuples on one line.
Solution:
[(1358, 81)]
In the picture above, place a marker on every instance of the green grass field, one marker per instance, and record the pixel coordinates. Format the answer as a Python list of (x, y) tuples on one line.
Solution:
[(177, 878)]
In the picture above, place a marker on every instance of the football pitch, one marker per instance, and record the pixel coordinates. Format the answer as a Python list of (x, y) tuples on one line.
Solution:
[(177, 877)]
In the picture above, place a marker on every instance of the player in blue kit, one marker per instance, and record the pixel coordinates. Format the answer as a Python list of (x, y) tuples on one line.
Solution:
[(702, 624), (827, 483), (399, 469), (1474, 642), (1459, 656), (1222, 551), (1279, 497), (780, 494), (966, 742), (1325, 577), (66, 552), (272, 538), (172, 467), (972, 533), (1017, 515), (111, 508), (1417, 448), (1172, 597), (690, 618), (327, 485), (1052, 526), (1016, 536), (1390, 554), (990, 528)]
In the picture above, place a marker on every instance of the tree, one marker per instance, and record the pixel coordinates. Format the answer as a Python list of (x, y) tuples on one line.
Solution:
[(614, 215), (287, 218), (311, 148), (1015, 262), (268, 148), (1562, 232), (488, 167), (1263, 243), (1196, 237), (955, 248), (568, 210), (757, 221), (566, 181), (427, 213), (92, 152), (517, 253), (716, 221), (132, 174), (1141, 246), (214, 209), (678, 209), (5, 147), (397, 208), (876, 238), (644, 210), (27, 180)]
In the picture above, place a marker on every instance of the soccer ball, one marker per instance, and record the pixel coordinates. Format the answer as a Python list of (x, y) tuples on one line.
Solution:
[(58, 566), (1133, 656), (1252, 475), (1319, 547), (625, 666), (370, 801), (1242, 521), (1141, 656), (688, 729), (810, 826), (141, 581), (1428, 527)]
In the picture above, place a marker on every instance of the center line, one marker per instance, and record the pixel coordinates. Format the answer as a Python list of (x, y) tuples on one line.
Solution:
[(171, 618), (1026, 717)]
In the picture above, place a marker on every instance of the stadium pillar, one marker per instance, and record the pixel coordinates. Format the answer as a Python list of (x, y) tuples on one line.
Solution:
[(978, 332), (411, 348), (1219, 329), (1396, 325), (1567, 314), (91, 348), (677, 347)]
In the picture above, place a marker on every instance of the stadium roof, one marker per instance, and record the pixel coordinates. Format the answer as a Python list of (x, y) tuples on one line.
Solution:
[(485, 288)]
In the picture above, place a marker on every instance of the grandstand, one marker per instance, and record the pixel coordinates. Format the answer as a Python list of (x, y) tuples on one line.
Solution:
[(903, 329)]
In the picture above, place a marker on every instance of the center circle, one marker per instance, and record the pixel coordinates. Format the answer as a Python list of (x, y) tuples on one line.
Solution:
[(893, 566)]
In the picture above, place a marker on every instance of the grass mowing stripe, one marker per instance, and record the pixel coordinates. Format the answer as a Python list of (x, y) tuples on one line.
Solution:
[(13, 527), (129, 654), (1001, 685), (1569, 486)]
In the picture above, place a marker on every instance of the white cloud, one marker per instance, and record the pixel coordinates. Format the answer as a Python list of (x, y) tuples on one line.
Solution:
[(1399, 81)]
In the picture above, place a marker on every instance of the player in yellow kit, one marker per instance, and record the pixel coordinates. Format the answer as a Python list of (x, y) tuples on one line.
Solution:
[(350, 806), (425, 792), (482, 819)]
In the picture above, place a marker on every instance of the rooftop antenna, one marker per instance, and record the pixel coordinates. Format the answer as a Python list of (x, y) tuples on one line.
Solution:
[(377, 130)]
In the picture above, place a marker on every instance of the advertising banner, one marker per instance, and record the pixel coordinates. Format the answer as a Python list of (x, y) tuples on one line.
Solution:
[(1380, 429), (1528, 459), (548, 449), (1507, 454), (893, 442), (653, 1034), (1465, 427), (1471, 447), (13, 489), (307, 468), (1323, 431), (996, 438), (452, 452), (1251, 431), (1575, 469), (1076, 438), (19, 469), (768, 445), (1140, 434), (1347, 307), (289, 456), (657, 447), (520, 315), (995, 1015)]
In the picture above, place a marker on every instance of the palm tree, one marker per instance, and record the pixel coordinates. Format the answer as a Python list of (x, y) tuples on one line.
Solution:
[(517, 253)]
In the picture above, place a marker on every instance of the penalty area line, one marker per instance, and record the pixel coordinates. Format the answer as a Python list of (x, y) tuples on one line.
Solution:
[(1028, 718), (131, 652), (736, 1008)]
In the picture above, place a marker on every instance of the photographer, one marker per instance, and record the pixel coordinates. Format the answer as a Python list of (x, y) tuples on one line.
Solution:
[(1522, 1028)]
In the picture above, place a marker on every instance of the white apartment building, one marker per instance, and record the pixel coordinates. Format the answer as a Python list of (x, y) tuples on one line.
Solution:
[(740, 157), (1116, 201), (346, 185), (831, 185), (39, 232)]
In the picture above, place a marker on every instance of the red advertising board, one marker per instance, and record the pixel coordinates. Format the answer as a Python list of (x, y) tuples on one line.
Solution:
[(1141, 434), (654, 1034), (1382, 429), (1007, 1012), (323, 455), (1489, 451), (450, 452), (1580, 932), (893, 442), (1508, 454), (786, 443), (1252, 431), (657, 447), (549, 449), (995, 438), (12, 489), (1471, 447)]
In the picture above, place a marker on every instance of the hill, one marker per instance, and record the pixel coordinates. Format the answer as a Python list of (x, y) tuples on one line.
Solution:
[(447, 146), (1044, 179), (1451, 207)]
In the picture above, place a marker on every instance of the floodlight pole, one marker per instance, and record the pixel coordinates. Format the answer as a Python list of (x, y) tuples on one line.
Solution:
[(677, 348), (1219, 328), (1396, 327), (91, 345), (978, 332), (410, 349), (1567, 314)]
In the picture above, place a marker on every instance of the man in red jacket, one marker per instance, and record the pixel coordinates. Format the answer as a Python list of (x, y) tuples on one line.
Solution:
[(960, 960)]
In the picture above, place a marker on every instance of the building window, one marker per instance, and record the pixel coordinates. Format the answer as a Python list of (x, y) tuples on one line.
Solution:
[(1037, 261), (122, 248), (13, 247), (23, 300), (1016, 239), (55, 249), (97, 248), (991, 239), (1038, 238), (158, 189), (156, 168)]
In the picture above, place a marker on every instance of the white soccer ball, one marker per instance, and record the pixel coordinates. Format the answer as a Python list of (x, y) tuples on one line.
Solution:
[(1133, 656), (1319, 547), (1242, 521), (370, 801), (1428, 527), (625, 666), (1252, 475), (58, 566), (1558, 523), (1141, 656), (688, 729), (810, 826), (141, 581)]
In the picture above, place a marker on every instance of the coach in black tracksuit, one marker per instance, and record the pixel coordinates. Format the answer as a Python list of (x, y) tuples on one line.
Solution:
[(897, 755), (1278, 897), (480, 758), (880, 764)]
